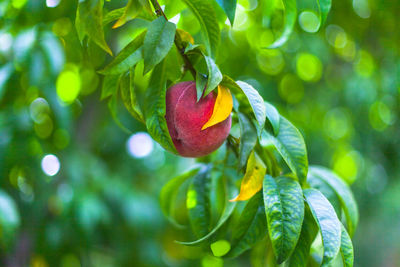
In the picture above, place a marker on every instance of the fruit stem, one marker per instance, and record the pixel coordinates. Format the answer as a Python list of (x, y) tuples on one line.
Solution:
[(181, 49)]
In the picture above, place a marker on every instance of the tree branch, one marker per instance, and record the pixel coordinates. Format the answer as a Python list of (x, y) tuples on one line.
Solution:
[(181, 49)]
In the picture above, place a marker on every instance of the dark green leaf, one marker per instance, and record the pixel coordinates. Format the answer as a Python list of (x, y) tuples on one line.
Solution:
[(290, 144), (128, 95), (207, 18), (284, 207), (110, 86), (201, 83), (328, 223), (198, 203), (343, 192), (251, 227), (113, 107), (154, 110), (127, 58), (346, 249), (324, 7), (248, 139), (272, 116), (290, 19), (229, 7), (158, 41), (169, 192)]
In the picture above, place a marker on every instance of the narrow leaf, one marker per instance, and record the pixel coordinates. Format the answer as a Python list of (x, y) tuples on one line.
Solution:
[(158, 41), (222, 107), (113, 107), (324, 7), (290, 144), (205, 14), (229, 7), (284, 207), (169, 192), (327, 221), (273, 117), (248, 139), (253, 178), (214, 75), (128, 96), (290, 19), (346, 249), (343, 192), (110, 86), (132, 9)]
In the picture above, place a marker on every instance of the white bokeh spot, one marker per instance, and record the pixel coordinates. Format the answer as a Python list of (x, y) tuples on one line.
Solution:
[(50, 165), (52, 3), (140, 145)]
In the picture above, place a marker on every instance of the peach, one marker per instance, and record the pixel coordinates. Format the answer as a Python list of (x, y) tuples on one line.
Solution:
[(185, 119)]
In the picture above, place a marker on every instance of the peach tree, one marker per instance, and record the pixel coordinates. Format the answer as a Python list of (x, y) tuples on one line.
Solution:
[(252, 182)]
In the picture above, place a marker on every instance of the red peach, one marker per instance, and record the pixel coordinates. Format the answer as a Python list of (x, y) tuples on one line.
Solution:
[(185, 118)]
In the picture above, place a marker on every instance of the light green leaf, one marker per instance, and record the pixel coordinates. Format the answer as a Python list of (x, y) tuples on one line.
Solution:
[(89, 21), (284, 207), (273, 117), (158, 41), (324, 7), (290, 19), (290, 144), (198, 203), (154, 108), (131, 11), (251, 227), (229, 7), (346, 249), (205, 14), (127, 58), (110, 86), (248, 139), (169, 192), (327, 221), (343, 192), (214, 75), (201, 83), (128, 95)]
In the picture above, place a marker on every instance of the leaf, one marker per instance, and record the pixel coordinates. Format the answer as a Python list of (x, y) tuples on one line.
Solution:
[(169, 192), (272, 116), (214, 75), (110, 86), (205, 14), (229, 7), (327, 221), (198, 203), (256, 102), (343, 192), (290, 19), (251, 227), (113, 15), (158, 41), (154, 110), (222, 107), (89, 20), (128, 95), (290, 144), (129, 56), (324, 7), (227, 212), (284, 207), (253, 178), (201, 83), (132, 10), (113, 107), (346, 249), (248, 139), (184, 36), (309, 230)]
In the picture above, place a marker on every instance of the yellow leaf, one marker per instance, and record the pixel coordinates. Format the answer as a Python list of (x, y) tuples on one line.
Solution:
[(185, 36), (222, 107), (253, 178)]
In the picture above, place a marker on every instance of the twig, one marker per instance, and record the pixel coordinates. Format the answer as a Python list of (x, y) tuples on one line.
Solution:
[(181, 49)]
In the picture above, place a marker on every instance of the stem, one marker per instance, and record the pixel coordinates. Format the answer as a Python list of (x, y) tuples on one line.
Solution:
[(181, 49)]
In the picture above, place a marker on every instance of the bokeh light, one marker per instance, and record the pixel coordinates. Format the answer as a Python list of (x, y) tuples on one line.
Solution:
[(140, 145), (50, 165), (68, 84), (309, 21), (309, 67)]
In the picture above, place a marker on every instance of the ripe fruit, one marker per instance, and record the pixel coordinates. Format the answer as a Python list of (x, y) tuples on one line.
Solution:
[(185, 118)]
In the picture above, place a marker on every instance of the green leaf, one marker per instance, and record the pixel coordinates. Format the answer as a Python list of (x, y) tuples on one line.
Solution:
[(324, 7), (205, 14), (113, 107), (169, 192), (128, 95), (110, 86), (154, 108), (284, 207), (158, 41), (198, 203), (256, 102), (201, 83), (229, 7), (343, 192), (346, 249), (127, 58), (131, 11), (272, 116), (251, 227), (327, 221), (290, 19), (290, 144), (89, 20), (214, 75), (248, 139), (309, 230), (113, 15)]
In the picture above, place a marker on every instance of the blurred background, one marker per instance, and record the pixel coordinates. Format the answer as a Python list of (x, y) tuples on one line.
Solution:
[(77, 190)]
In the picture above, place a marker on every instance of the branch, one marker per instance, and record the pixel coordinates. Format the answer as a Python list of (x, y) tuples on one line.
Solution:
[(181, 49)]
